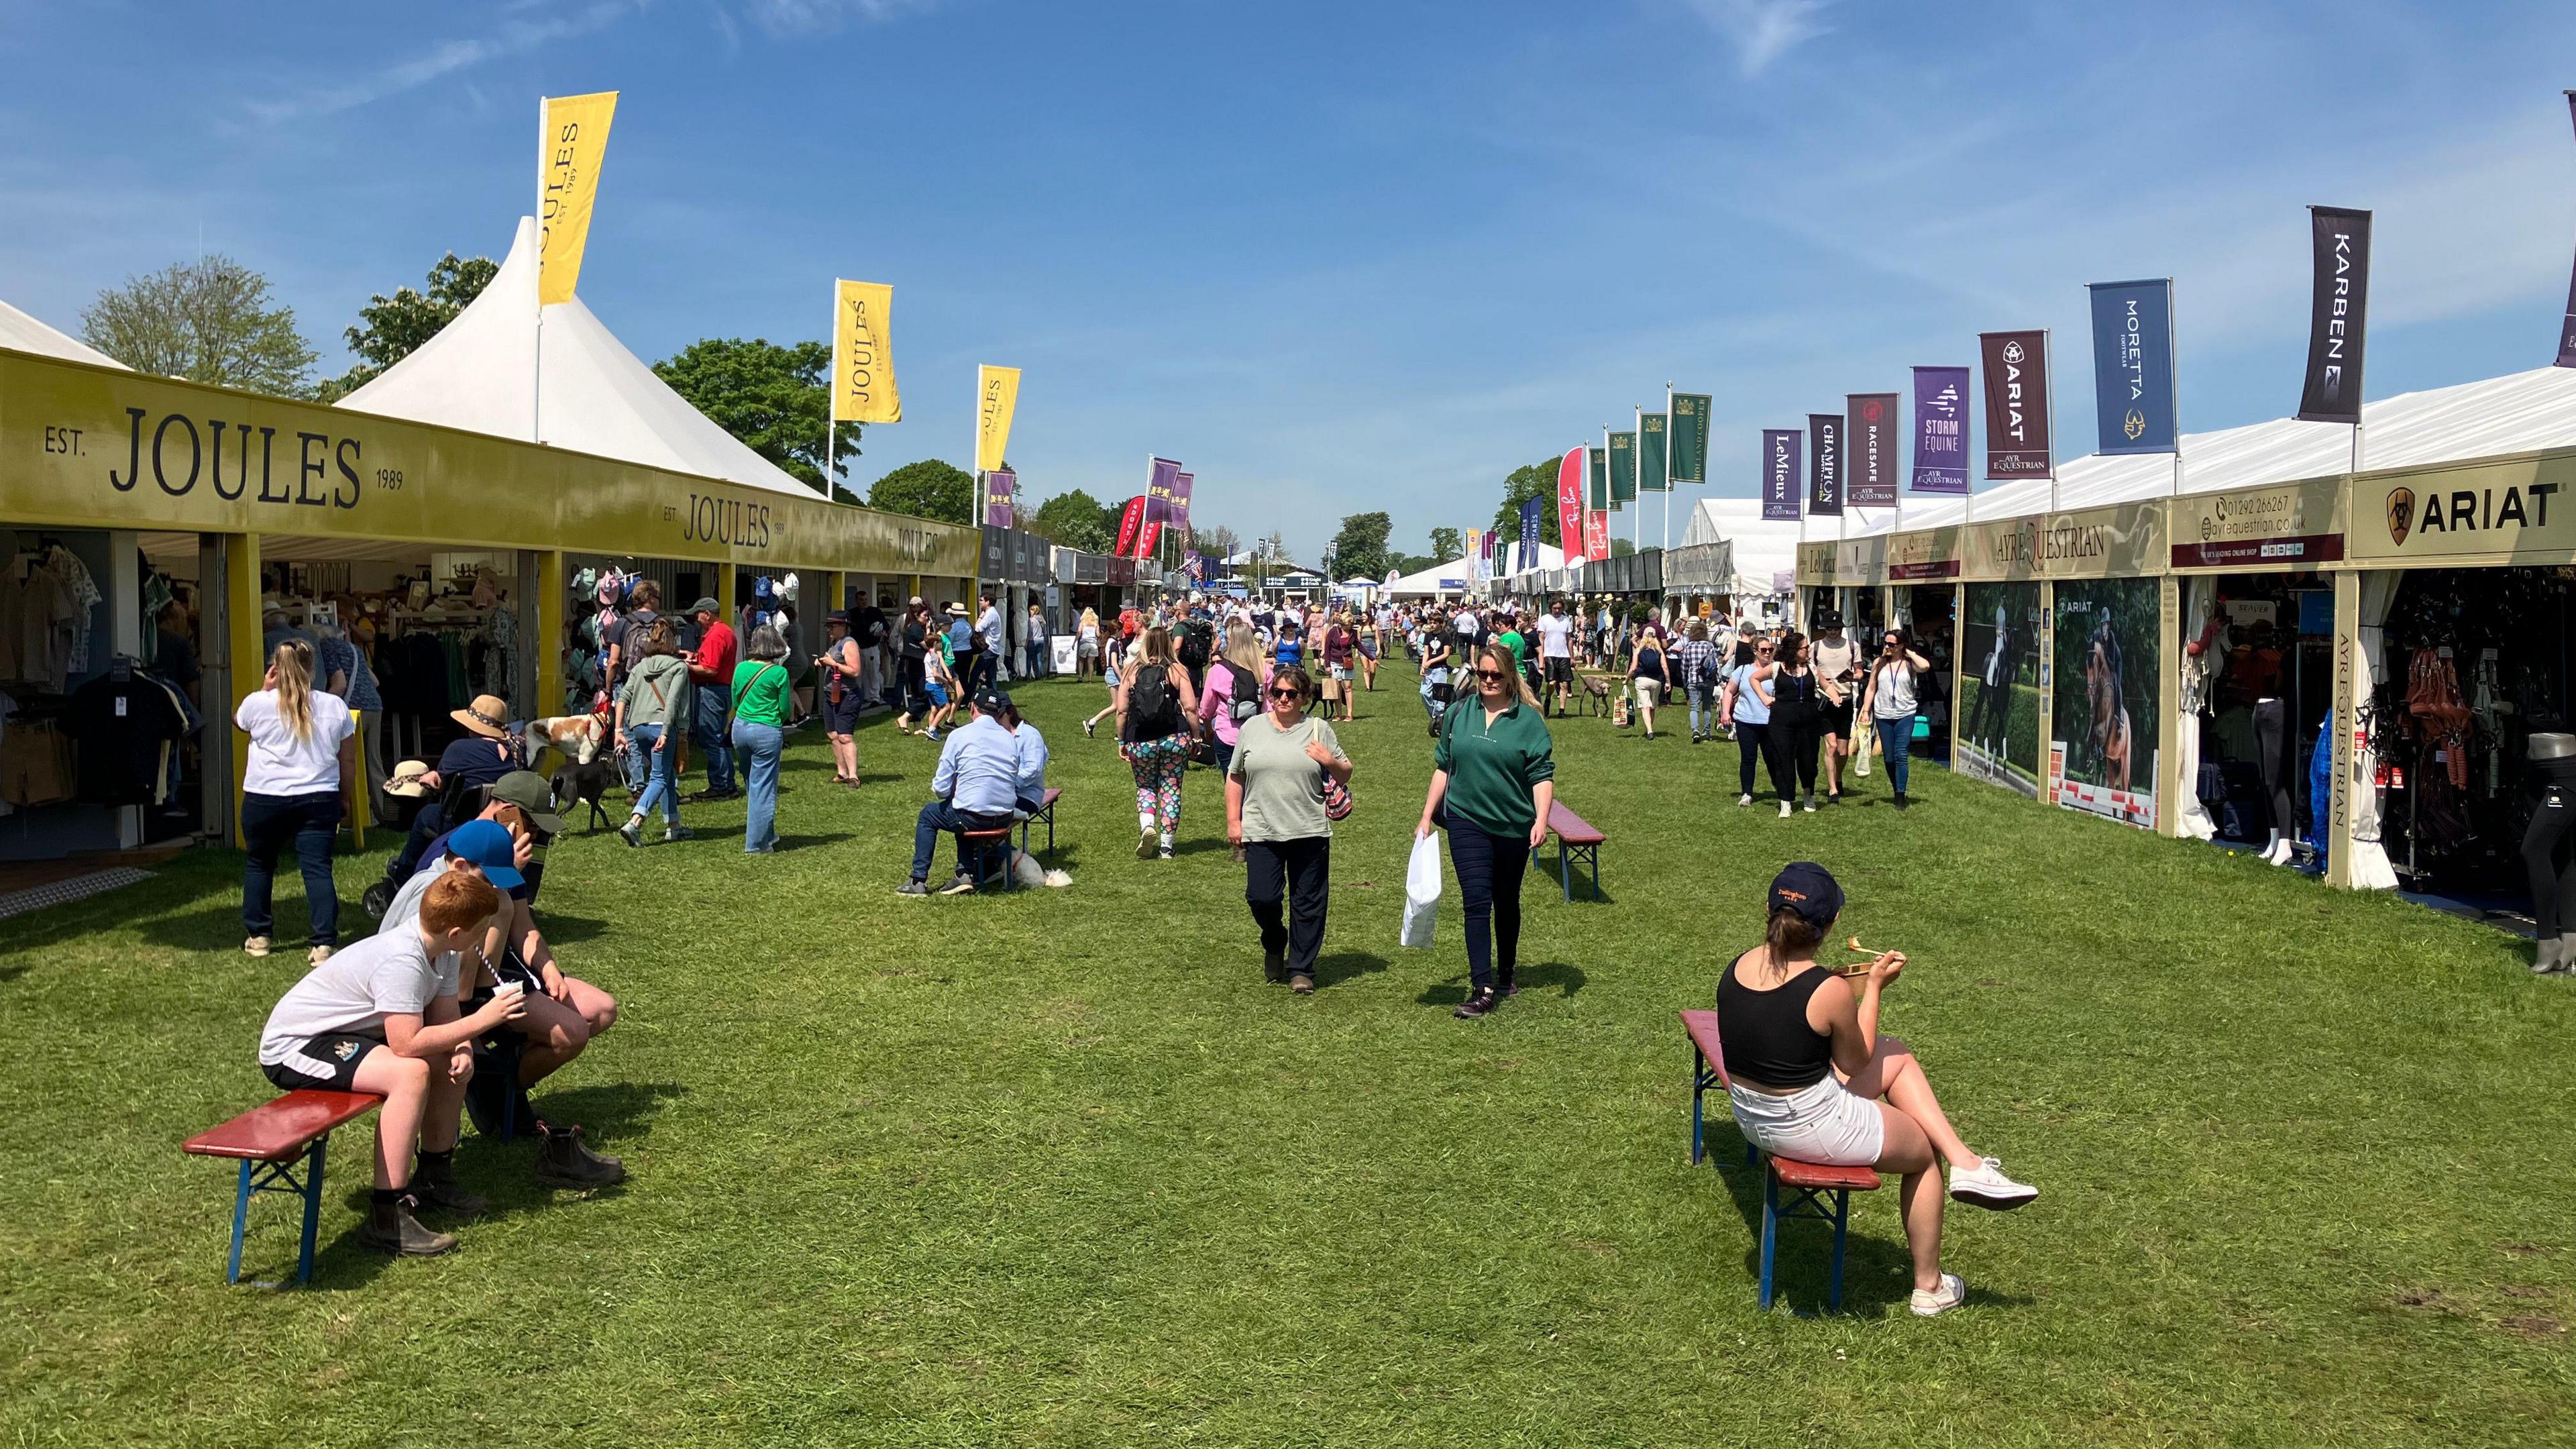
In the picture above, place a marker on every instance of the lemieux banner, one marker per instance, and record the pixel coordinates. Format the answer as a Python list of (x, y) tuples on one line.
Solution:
[(1940, 430), (863, 389), (2017, 442), (1652, 461), (2133, 367), (1690, 437), (1869, 450), (997, 396), (1569, 503), (572, 142), (1825, 459), (2331, 391), (1781, 458)]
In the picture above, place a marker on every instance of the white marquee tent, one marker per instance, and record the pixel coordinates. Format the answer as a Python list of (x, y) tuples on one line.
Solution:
[(22, 333), (1764, 548)]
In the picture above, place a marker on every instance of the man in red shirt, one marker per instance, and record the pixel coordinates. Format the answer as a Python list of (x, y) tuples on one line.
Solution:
[(711, 671)]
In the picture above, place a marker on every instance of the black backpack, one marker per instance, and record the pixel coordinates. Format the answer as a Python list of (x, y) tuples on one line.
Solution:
[(1198, 644), (1153, 706)]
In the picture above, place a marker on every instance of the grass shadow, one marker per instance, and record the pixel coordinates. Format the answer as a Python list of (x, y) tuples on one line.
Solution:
[(1566, 978), (799, 842), (1344, 966)]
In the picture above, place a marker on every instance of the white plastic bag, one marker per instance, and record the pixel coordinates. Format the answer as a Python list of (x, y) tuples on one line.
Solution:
[(1422, 892)]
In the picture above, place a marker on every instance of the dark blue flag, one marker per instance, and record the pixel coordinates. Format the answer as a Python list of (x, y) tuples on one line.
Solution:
[(2133, 366), (1529, 534)]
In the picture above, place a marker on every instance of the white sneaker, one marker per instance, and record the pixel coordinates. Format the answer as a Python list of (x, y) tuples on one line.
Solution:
[(1784, 809), (1985, 1186), (1743, 799), (1952, 1292)]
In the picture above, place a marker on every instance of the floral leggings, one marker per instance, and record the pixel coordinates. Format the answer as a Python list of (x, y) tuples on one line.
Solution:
[(1158, 765)]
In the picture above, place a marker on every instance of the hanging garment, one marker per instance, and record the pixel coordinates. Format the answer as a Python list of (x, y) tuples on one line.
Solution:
[(125, 726)]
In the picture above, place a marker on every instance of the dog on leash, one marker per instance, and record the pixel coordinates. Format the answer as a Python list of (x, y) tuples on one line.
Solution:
[(579, 738), (585, 782)]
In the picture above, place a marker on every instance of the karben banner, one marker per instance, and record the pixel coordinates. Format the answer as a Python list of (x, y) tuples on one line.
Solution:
[(863, 389), (572, 142), (2017, 442), (1529, 534), (2331, 391), (1690, 437), (997, 396), (1781, 458), (999, 485), (1940, 430), (1600, 485), (1869, 450), (1652, 461), (1131, 523), (2133, 367), (1825, 465), (1569, 503), (1623, 469)]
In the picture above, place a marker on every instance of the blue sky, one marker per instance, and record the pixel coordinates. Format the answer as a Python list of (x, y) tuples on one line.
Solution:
[(1337, 256)]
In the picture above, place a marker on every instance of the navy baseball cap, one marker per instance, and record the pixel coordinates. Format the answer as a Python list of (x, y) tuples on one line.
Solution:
[(1809, 890), (488, 844)]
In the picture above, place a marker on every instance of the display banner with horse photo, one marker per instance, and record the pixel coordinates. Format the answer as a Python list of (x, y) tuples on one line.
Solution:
[(1999, 661), (2102, 753)]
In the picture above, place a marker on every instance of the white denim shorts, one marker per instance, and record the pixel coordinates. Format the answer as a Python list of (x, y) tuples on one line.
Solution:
[(1824, 1123)]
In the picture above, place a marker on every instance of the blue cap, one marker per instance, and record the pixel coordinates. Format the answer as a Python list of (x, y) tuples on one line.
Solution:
[(489, 845), (1809, 890)]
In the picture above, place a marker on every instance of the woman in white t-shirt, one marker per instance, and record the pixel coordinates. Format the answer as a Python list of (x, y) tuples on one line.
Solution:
[(300, 760)]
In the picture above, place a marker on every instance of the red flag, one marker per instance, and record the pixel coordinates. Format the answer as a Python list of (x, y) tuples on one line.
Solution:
[(1128, 525), (1596, 533), (1569, 504), (1152, 535)]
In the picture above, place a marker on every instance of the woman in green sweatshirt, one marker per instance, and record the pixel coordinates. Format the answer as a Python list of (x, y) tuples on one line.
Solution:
[(1493, 777)]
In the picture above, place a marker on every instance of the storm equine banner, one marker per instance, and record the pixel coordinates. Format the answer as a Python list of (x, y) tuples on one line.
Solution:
[(1780, 469), (2331, 392), (2133, 366), (1869, 450), (1825, 479), (2017, 443), (1940, 430)]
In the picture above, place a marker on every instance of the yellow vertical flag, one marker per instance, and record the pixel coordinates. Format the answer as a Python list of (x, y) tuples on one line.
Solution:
[(572, 145), (997, 393), (863, 389)]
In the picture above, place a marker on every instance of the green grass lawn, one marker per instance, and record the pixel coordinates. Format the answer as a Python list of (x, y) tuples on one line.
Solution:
[(1059, 1168)]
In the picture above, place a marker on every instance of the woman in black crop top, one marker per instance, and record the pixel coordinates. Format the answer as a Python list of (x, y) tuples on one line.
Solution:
[(1811, 1078)]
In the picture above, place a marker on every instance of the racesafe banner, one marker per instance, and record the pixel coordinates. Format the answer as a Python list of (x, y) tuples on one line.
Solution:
[(572, 142), (2017, 443), (1869, 450), (1940, 430), (2133, 367), (1569, 503), (2331, 392), (1690, 437), (1825, 474), (1780, 472)]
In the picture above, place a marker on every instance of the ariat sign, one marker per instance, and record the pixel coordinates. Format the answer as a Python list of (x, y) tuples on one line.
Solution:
[(2498, 512)]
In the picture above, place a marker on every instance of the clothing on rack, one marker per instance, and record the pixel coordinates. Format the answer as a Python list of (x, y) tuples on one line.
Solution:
[(128, 728)]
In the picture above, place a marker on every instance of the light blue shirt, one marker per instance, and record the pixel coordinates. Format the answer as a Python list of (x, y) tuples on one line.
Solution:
[(979, 769), (1749, 708), (990, 626), (1033, 762)]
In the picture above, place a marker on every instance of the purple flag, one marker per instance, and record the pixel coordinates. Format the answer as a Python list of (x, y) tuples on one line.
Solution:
[(1159, 475), (2567, 331), (1781, 457), (999, 485), (1181, 501), (1940, 430)]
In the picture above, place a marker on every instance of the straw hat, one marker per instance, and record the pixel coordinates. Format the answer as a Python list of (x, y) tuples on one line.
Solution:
[(488, 716), (406, 781)]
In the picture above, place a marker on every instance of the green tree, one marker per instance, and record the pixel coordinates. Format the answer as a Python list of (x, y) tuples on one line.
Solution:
[(927, 489), (1621, 547), (391, 328), (1538, 480), (1075, 519), (1445, 545), (772, 397), (1359, 550), (207, 321)]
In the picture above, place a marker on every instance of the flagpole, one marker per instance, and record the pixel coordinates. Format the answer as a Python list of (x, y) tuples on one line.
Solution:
[(832, 414), (1636, 473), (2048, 385), (537, 359), (1669, 484)]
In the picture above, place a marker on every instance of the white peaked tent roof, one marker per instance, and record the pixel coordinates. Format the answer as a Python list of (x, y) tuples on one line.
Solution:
[(480, 374), (2521, 412), (1463, 568), (1763, 546), (22, 333)]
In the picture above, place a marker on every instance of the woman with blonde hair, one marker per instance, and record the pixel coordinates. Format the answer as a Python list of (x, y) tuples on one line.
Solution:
[(1232, 692), (1493, 780), (300, 769), (1154, 704), (1086, 658)]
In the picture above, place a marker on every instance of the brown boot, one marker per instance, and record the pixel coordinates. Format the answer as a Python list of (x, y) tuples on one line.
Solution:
[(391, 1228)]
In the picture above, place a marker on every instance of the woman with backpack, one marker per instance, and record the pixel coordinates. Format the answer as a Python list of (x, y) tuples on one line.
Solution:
[(1651, 676), (760, 700), (1235, 679), (1287, 780), (1694, 664), (1154, 705)]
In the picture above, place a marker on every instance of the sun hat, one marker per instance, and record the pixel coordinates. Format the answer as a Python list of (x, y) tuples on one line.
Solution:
[(488, 845), (1809, 890), (488, 716), (529, 791), (405, 780)]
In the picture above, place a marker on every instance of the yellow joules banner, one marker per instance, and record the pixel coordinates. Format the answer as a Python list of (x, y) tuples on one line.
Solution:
[(863, 389), (997, 393), (574, 143)]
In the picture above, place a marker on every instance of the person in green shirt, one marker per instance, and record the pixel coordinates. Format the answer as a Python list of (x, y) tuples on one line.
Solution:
[(1493, 779), (760, 693), (1513, 640)]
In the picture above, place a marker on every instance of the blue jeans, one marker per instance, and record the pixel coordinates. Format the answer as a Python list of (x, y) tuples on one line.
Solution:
[(761, 745), (269, 824), (1895, 746), (653, 767), (1701, 707), (938, 818), (715, 701)]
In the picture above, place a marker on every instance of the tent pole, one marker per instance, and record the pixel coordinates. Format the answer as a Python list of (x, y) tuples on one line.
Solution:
[(537, 359)]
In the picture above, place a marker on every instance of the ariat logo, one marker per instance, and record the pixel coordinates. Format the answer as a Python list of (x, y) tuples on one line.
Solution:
[(2401, 514), (2012, 352)]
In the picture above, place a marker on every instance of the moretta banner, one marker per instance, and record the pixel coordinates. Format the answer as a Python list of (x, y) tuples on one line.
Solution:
[(2126, 540), (2295, 526)]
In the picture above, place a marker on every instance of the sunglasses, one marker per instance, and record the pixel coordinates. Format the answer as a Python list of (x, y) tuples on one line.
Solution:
[(1291, 692), (1495, 675)]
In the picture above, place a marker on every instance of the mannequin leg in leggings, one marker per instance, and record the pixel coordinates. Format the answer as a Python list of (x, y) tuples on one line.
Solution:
[(2553, 889), (2270, 734)]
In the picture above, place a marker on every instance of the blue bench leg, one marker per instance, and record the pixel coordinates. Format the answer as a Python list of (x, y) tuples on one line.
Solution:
[(241, 1216), (1842, 1219), (1565, 871), (1699, 1088), (312, 1208), (1770, 1232)]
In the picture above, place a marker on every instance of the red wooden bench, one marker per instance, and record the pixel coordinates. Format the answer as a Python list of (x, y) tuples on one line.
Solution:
[(1576, 840), (1810, 1182), (273, 1142)]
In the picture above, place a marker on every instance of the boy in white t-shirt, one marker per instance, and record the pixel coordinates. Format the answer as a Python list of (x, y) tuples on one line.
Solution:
[(1556, 657)]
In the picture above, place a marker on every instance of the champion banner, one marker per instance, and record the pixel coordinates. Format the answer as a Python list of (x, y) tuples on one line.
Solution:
[(1690, 437), (997, 396), (1600, 488), (1652, 461), (1160, 474), (1825, 477), (2016, 366), (863, 388), (1780, 467), (2331, 392), (572, 142), (1181, 485), (2133, 367), (2567, 328), (1869, 450), (1569, 503), (1940, 430), (1623, 469), (998, 487), (1529, 534), (1131, 522)]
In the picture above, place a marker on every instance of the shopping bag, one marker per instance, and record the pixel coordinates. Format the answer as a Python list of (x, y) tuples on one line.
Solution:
[(1422, 892), (1861, 742)]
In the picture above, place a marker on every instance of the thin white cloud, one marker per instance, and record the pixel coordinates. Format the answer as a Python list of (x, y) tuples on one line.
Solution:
[(443, 59), (818, 17), (1763, 30)]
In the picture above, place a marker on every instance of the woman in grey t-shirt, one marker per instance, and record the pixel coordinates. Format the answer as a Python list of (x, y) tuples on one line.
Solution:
[(1275, 810)]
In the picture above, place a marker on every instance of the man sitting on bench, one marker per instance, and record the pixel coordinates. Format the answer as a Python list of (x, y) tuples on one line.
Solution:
[(381, 1017), (560, 1015), (977, 787)]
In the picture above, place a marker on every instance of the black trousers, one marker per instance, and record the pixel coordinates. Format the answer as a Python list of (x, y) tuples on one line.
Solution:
[(1288, 885), (2553, 890), (2271, 734), (1490, 868), (909, 678), (1751, 744), (1796, 743)]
